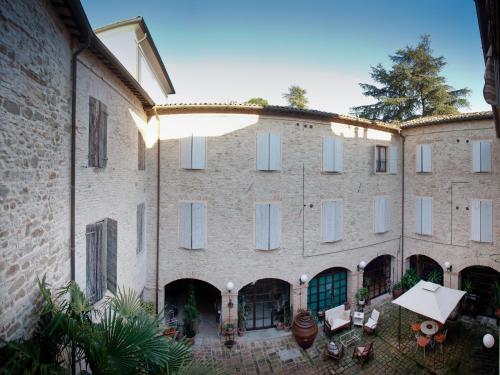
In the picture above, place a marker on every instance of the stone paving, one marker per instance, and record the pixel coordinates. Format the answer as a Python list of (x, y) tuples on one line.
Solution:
[(463, 352)]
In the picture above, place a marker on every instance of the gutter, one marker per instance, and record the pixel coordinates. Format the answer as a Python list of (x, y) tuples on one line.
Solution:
[(402, 225), (157, 281)]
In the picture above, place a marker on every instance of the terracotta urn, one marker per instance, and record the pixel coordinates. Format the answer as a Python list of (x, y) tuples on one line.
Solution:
[(304, 329)]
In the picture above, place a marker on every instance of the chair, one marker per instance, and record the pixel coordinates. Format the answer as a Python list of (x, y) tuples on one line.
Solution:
[(422, 342), (371, 325), (415, 327), (440, 338), (363, 353), (334, 351)]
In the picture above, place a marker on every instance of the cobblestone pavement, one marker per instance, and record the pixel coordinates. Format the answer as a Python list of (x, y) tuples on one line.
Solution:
[(463, 352)]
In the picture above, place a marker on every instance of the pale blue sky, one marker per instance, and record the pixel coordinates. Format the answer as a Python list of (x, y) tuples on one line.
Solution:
[(222, 50)]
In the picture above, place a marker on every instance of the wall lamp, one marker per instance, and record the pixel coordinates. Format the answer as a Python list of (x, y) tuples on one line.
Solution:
[(230, 287), (448, 266), (361, 265), (303, 279)]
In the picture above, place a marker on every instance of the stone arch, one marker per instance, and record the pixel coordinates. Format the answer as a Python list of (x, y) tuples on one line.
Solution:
[(328, 288), (481, 279), (378, 274), (427, 268)]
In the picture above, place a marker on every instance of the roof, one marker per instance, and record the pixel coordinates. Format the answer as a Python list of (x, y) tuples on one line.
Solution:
[(75, 20), (447, 119), (272, 110), (139, 21)]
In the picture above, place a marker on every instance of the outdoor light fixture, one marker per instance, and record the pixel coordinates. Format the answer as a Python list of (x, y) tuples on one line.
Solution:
[(448, 266), (488, 341), (361, 265), (230, 286), (303, 279)]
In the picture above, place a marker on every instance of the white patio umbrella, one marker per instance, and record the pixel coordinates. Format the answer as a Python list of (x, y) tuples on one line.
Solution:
[(431, 300)]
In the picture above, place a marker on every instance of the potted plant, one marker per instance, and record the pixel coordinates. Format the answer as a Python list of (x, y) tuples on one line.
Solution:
[(409, 279), (241, 319), (397, 290), (435, 277), (361, 295), (495, 298), (287, 323), (469, 302), (191, 316)]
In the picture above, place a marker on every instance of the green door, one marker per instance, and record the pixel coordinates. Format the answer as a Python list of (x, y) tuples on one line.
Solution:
[(327, 290)]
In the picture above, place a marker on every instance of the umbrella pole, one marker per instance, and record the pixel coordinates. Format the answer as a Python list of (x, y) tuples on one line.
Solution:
[(399, 329)]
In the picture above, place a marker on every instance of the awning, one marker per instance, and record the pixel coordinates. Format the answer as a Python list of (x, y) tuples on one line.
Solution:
[(431, 300)]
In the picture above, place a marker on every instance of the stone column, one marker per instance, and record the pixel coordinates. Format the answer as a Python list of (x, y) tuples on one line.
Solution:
[(299, 297), (450, 279), (354, 282), (228, 316)]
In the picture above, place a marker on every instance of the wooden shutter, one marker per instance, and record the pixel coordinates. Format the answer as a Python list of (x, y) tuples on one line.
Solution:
[(140, 227), (262, 151), (95, 281), (427, 216), (426, 158), (338, 156), (328, 221), (486, 221), (476, 156), (186, 152), (375, 158), (198, 225), (476, 220), (98, 123), (185, 225), (111, 254), (393, 159), (262, 226), (418, 216), (274, 226), (338, 220), (141, 152), (198, 152), (274, 152), (485, 156), (328, 154), (418, 158), (379, 215)]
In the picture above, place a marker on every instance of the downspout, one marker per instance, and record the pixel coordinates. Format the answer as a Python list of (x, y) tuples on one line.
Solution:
[(157, 212), (402, 224)]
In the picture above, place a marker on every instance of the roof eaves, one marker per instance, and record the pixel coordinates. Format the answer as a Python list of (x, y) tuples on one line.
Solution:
[(447, 119)]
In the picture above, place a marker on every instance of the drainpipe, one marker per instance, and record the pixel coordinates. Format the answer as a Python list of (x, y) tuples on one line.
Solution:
[(157, 212), (402, 224)]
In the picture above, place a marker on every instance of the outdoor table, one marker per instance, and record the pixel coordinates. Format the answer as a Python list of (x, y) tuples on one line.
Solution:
[(429, 327), (359, 318), (349, 338)]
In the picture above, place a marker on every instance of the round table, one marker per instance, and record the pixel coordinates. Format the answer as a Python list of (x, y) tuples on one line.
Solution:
[(429, 327)]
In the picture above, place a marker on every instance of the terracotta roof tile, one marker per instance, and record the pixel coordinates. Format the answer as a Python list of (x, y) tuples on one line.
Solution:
[(446, 119)]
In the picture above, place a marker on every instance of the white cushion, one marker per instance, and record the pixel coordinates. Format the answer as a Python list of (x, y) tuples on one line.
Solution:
[(371, 323), (338, 323)]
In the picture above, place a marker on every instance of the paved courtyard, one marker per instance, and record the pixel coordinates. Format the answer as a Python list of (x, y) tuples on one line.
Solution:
[(463, 352)]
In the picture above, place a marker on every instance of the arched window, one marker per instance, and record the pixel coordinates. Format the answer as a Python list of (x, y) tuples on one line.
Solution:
[(327, 289)]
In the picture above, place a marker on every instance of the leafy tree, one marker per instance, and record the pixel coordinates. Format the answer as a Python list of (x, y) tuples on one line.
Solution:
[(413, 87), (258, 101), (296, 97)]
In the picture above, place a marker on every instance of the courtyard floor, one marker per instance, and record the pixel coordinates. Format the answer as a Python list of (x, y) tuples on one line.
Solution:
[(463, 351)]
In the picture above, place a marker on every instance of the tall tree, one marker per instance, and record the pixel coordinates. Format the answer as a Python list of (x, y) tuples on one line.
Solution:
[(296, 97), (258, 101), (413, 87)]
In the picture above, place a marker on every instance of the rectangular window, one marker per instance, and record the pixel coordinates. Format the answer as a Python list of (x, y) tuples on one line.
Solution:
[(424, 158), (424, 216), (193, 152), (393, 166), (141, 211), (98, 123), (141, 152), (332, 154), (101, 258), (331, 221), (481, 156), (482, 220), (267, 226), (380, 214), (380, 159), (268, 151), (192, 225)]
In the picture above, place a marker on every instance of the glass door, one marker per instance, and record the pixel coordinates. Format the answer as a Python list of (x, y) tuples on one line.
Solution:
[(327, 290)]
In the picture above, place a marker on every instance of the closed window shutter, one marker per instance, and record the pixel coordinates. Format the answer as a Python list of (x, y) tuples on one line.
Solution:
[(328, 154), (385, 203), (263, 151), (338, 221), (98, 122), (274, 226), (262, 226), (393, 167), (111, 254), (476, 220), (418, 158), (338, 156), (418, 216), (476, 156), (426, 158), (486, 221), (94, 274), (198, 226), (185, 225), (485, 156), (198, 150), (141, 152), (140, 227), (379, 217), (186, 152), (274, 152), (427, 216), (328, 221), (375, 158)]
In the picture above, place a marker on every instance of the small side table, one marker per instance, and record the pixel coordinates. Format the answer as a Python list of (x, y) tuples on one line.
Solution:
[(358, 318)]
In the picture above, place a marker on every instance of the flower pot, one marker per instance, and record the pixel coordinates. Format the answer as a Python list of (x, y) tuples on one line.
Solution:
[(304, 329)]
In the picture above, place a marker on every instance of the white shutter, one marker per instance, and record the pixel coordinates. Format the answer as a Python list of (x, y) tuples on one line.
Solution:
[(485, 156), (198, 153), (375, 158), (262, 151), (262, 226), (198, 226), (426, 158), (185, 225), (418, 216), (486, 221), (328, 154), (385, 202), (427, 216), (476, 220), (476, 156), (274, 226), (378, 215), (328, 221), (393, 155), (338, 221), (185, 145), (418, 158), (338, 156), (274, 152)]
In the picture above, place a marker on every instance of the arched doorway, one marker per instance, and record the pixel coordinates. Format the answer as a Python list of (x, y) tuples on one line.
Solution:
[(377, 276), (427, 268), (264, 302), (327, 289), (480, 281), (208, 303)]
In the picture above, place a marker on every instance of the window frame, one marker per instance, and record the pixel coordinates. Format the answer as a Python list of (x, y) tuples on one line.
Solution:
[(379, 162)]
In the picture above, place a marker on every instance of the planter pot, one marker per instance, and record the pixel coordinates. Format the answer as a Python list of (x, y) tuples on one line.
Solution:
[(396, 293), (361, 302), (287, 327), (304, 329)]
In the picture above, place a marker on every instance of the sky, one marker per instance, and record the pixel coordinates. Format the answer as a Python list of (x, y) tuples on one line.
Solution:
[(221, 51)]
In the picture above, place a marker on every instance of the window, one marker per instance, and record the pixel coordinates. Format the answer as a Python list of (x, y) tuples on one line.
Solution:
[(98, 123), (424, 158), (141, 152), (332, 154), (327, 290), (393, 161), (331, 221), (141, 208), (481, 220), (192, 225), (424, 215), (481, 156), (380, 159), (101, 258), (193, 152), (267, 226), (380, 214), (268, 151)]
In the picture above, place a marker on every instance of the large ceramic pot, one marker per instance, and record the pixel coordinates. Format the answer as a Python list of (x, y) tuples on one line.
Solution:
[(304, 329)]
